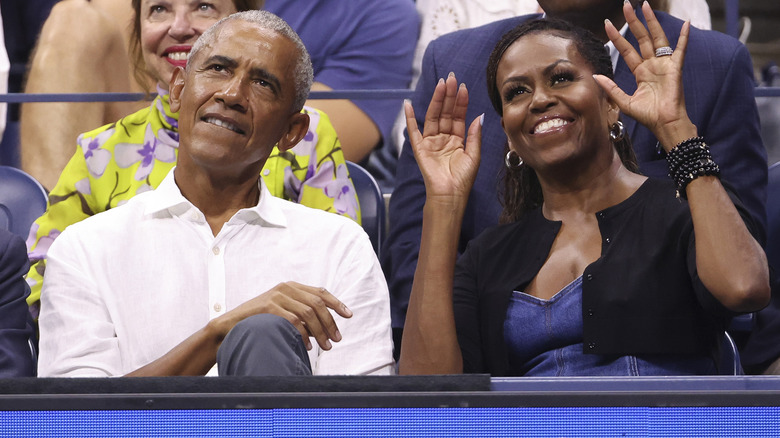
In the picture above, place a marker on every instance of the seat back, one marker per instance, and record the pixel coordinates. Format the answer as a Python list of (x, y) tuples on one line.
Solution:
[(729, 363), (22, 200), (372, 205), (773, 217)]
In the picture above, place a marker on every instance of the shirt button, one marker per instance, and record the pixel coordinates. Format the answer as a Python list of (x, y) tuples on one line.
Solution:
[(266, 172), (591, 345), (194, 216), (217, 307), (589, 277), (215, 250)]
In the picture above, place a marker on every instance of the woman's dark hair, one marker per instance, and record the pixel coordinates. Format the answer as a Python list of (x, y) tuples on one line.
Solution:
[(522, 192), (136, 51)]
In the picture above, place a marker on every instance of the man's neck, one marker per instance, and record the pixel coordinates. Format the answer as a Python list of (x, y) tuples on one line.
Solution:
[(218, 197)]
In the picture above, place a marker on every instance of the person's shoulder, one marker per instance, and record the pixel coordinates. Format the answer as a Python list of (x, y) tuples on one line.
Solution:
[(112, 222), (490, 32), (129, 121), (314, 220), (715, 43), (11, 246)]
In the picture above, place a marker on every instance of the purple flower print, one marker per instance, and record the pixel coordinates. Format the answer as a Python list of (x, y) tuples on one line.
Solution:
[(96, 157), (83, 186), (44, 243), (153, 149), (340, 189)]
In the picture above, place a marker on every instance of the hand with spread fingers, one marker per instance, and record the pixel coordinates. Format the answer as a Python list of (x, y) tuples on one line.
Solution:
[(448, 167), (659, 102)]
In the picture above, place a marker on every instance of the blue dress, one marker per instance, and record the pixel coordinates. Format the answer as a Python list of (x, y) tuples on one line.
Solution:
[(544, 338)]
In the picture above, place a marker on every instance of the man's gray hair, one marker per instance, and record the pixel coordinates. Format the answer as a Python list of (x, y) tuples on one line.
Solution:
[(304, 73)]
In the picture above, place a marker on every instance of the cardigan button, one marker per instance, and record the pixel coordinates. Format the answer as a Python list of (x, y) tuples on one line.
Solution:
[(607, 240), (589, 277), (600, 215), (591, 345), (590, 312)]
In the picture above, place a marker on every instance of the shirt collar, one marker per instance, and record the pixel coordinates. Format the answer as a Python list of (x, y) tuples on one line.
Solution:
[(168, 198)]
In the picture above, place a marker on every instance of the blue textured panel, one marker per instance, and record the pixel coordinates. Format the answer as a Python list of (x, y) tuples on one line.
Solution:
[(413, 422)]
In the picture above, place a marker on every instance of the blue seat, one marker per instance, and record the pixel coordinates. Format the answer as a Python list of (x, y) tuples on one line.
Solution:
[(22, 200), (729, 362), (372, 204), (773, 216)]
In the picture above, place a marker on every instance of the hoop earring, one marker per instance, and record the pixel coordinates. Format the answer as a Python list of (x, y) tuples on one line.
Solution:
[(509, 159), (617, 132)]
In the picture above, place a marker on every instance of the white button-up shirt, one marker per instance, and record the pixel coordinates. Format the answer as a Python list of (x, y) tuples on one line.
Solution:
[(124, 287)]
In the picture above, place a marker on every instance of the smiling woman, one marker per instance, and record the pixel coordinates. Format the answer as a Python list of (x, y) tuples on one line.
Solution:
[(597, 271)]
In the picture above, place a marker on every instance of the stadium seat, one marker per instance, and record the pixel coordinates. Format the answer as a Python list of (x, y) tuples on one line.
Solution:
[(22, 200), (372, 204)]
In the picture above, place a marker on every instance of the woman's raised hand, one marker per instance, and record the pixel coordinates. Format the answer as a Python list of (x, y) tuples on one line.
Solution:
[(659, 101), (447, 157)]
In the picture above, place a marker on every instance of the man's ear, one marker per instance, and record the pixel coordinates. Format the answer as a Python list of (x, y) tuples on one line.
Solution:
[(175, 87), (297, 127)]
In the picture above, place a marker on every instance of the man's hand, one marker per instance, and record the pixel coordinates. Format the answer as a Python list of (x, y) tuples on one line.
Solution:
[(306, 307)]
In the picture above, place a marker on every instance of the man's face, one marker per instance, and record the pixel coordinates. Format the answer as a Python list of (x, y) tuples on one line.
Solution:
[(236, 100)]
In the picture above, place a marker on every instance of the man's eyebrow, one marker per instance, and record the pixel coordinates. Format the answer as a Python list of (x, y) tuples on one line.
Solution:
[(267, 76), (222, 60)]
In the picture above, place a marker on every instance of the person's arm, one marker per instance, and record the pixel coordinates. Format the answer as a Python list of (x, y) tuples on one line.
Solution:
[(405, 213), (430, 344), (367, 346), (16, 328), (88, 57), (305, 307), (376, 54), (730, 262)]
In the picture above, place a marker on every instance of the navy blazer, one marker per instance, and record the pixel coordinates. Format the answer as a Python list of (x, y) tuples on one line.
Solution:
[(16, 324), (719, 93)]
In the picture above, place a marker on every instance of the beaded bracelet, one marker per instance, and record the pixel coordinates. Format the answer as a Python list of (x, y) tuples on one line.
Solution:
[(689, 160)]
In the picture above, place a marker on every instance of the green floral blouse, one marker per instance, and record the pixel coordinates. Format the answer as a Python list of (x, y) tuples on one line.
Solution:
[(117, 161)]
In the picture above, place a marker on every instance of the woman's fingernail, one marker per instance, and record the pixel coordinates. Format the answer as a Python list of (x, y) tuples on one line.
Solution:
[(482, 119), (451, 75)]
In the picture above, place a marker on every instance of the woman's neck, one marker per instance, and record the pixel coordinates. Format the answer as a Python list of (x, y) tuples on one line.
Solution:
[(588, 192)]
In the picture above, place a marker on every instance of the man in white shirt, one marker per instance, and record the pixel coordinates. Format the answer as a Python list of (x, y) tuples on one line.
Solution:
[(209, 267)]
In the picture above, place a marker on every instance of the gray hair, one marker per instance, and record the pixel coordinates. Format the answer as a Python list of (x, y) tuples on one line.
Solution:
[(304, 73)]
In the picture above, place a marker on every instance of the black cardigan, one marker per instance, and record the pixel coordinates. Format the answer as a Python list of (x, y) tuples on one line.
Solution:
[(641, 297)]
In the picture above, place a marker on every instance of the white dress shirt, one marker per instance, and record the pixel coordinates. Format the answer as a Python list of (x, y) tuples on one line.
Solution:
[(124, 287)]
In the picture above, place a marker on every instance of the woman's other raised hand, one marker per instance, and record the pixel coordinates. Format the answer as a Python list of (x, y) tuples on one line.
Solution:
[(659, 102), (447, 157)]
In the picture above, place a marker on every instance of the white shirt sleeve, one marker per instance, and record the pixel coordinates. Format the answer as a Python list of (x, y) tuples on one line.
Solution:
[(366, 346), (77, 336)]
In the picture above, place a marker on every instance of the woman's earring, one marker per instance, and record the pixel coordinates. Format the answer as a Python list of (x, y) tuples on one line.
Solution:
[(512, 160), (617, 132)]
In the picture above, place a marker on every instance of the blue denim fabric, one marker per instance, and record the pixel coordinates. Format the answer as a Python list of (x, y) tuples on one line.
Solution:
[(544, 338)]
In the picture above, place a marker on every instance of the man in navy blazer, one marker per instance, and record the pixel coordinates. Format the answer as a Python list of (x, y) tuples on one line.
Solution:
[(719, 86), (16, 324)]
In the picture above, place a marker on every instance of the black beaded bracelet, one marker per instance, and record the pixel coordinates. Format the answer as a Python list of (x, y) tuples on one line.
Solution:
[(689, 160)]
